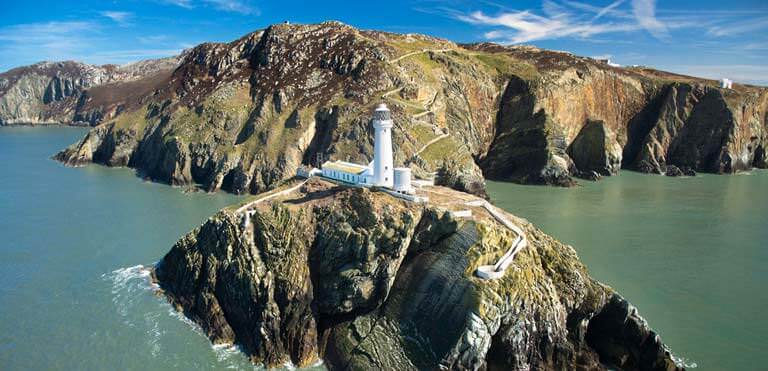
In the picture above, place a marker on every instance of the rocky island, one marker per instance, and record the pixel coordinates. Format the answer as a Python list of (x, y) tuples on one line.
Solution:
[(363, 280), (241, 116)]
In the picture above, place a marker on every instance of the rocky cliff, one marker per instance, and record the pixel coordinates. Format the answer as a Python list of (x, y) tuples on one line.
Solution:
[(241, 116), (363, 280), (60, 92), (578, 117)]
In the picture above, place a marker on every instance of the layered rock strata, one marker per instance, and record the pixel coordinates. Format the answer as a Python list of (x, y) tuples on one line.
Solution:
[(363, 280)]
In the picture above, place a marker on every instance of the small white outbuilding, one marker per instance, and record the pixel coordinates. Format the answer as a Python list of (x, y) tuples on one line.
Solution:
[(403, 181)]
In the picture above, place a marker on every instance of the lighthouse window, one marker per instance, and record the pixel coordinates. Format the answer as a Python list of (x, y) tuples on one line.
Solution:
[(386, 167)]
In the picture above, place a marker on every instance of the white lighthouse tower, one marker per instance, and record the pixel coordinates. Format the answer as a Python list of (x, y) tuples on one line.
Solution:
[(382, 147)]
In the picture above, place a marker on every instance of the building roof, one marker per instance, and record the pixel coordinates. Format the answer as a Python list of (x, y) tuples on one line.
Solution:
[(346, 167)]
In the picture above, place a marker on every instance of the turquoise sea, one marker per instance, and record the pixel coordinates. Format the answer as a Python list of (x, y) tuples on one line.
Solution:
[(73, 292), (690, 253)]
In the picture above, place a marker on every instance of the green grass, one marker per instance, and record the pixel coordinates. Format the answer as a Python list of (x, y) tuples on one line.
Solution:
[(226, 103), (422, 133), (133, 120), (411, 108), (507, 65), (442, 149), (413, 44), (425, 61)]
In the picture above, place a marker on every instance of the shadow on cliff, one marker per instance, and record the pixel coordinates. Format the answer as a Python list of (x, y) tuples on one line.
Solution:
[(519, 148)]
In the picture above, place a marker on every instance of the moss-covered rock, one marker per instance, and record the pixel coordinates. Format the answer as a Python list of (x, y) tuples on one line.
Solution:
[(364, 281)]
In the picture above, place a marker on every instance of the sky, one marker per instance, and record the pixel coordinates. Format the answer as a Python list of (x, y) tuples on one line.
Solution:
[(707, 38)]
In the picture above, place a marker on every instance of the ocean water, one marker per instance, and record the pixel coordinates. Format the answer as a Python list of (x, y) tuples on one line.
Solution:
[(690, 253), (74, 244)]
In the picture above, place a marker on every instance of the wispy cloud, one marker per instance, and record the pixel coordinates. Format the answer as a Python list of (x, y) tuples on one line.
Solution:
[(645, 13), (74, 40), (152, 39), (723, 35), (576, 19), (571, 19), (121, 18), (607, 10), (47, 40), (131, 55), (43, 32), (235, 6), (740, 28), (182, 3), (244, 7)]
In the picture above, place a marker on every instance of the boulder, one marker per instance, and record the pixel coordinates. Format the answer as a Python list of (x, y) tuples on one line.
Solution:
[(673, 171)]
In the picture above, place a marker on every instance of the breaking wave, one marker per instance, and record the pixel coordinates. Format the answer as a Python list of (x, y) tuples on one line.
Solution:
[(138, 307), (682, 362), (131, 287)]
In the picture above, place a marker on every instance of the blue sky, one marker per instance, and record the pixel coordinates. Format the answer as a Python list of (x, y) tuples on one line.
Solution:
[(710, 38)]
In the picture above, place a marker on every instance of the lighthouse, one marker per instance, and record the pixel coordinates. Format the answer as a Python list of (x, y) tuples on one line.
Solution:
[(380, 172), (382, 148)]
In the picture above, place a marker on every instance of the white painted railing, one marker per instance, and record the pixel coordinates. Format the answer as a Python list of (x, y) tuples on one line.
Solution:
[(497, 270)]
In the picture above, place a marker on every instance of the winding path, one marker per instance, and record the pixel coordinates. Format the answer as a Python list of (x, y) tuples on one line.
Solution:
[(417, 52), (393, 91), (270, 196), (431, 142)]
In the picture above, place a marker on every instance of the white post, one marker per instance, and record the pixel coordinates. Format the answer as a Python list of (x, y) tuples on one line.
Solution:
[(382, 147)]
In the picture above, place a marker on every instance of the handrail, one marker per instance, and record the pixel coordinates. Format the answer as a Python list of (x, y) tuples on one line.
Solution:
[(497, 270)]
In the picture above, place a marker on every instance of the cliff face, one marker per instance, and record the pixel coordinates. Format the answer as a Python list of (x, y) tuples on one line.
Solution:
[(58, 92), (242, 116), (702, 128), (363, 280), (648, 121)]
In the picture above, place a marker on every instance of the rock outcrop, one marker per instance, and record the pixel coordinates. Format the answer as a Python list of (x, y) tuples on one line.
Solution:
[(241, 116), (702, 128), (363, 280), (595, 149)]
